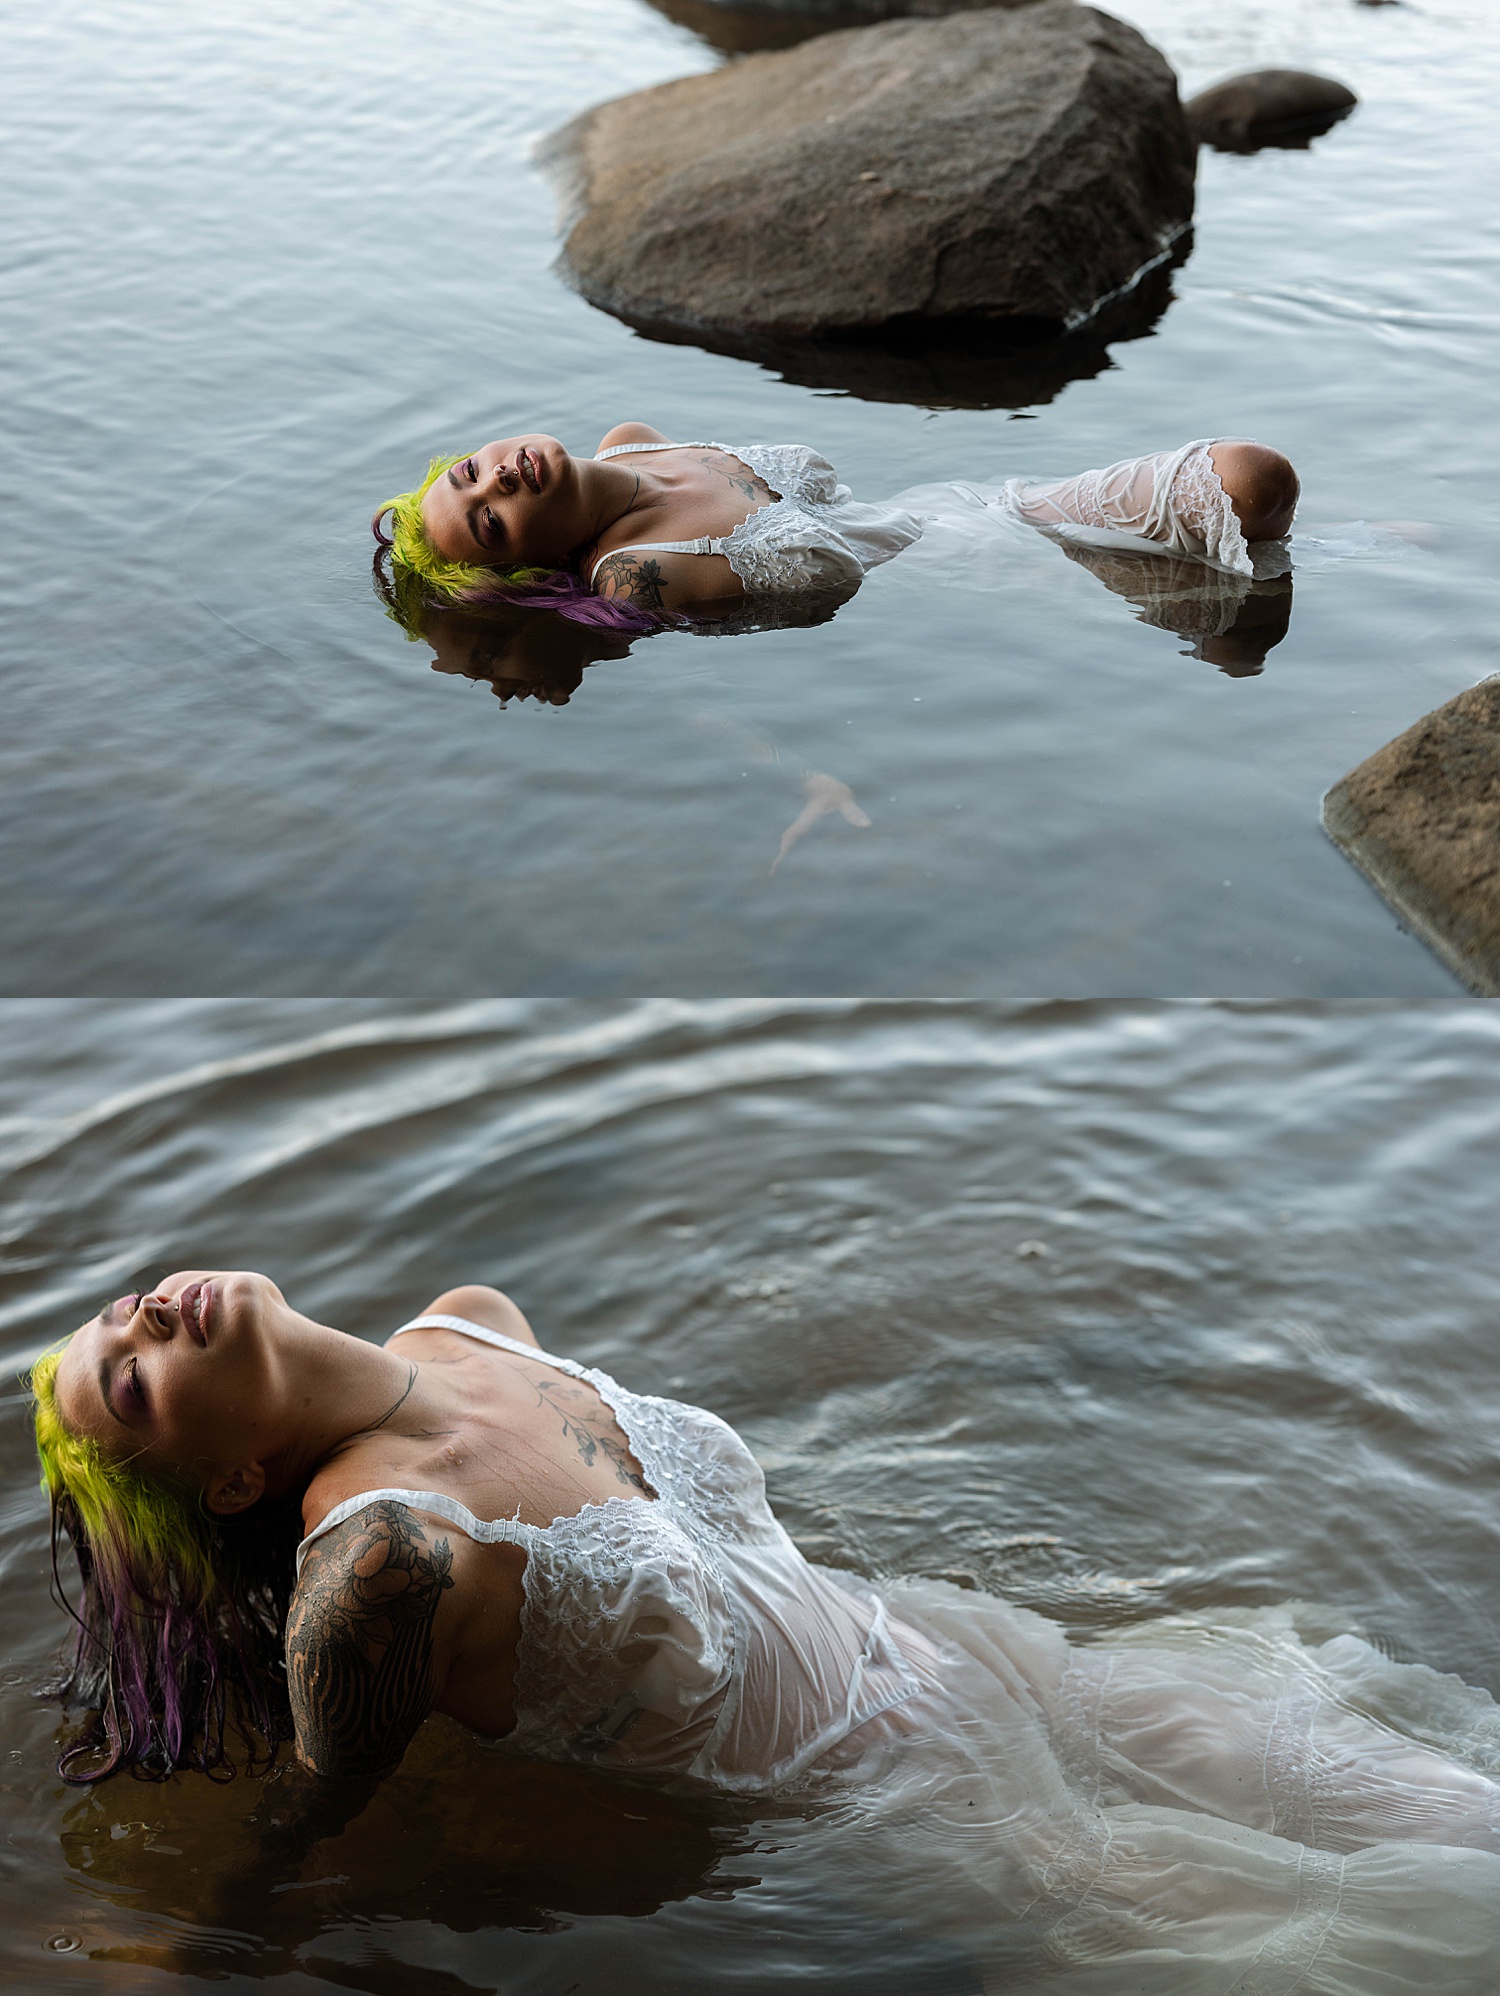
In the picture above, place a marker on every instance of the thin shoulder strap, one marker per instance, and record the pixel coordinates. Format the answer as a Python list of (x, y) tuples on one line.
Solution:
[(705, 544), (437, 1321), (619, 450), (487, 1531)]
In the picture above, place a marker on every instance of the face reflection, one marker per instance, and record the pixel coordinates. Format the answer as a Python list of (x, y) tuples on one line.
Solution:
[(509, 504), (177, 1377)]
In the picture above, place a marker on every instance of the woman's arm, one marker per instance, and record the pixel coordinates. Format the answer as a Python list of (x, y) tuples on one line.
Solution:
[(370, 1640), (367, 1646), (694, 584), (491, 1308)]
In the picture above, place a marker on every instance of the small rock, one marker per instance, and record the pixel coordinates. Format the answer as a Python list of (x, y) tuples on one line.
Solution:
[(1421, 820), (1032, 1250), (1028, 166), (1267, 107)]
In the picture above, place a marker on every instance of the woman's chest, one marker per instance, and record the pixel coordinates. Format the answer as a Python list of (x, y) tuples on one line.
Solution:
[(519, 1441), (693, 493)]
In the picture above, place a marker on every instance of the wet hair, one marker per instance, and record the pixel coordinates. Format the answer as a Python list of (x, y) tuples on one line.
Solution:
[(454, 585), (181, 1615)]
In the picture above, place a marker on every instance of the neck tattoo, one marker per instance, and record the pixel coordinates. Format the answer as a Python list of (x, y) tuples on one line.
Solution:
[(396, 1404)]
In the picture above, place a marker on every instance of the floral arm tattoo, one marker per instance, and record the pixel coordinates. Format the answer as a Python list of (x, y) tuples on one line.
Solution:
[(359, 1641), (633, 576)]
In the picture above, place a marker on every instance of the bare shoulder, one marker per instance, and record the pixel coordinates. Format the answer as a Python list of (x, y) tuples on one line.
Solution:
[(491, 1308), (631, 433)]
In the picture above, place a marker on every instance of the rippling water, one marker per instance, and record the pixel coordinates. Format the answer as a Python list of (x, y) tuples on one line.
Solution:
[(258, 259), (1116, 1309)]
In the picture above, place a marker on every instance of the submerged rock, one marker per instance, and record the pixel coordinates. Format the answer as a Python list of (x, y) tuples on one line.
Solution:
[(1267, 107), (1421, 820), (989, 166)]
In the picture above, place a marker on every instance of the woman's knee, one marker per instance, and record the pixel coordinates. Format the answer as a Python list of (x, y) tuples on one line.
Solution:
[(1261, 485)]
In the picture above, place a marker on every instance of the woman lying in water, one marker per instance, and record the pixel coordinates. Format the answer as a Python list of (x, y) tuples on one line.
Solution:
[(648, 531), (592, 1575)]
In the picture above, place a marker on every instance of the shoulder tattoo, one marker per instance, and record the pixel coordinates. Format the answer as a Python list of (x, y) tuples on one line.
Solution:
[(590, 1427), (636, 576), (359, 1640)]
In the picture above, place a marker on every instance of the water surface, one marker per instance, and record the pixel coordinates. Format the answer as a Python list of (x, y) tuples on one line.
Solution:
[(1118, 1310), (257, 261)]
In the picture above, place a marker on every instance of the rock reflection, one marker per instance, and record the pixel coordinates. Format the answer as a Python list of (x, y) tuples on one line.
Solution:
[(934, 364), (1230, 621), (463, 1838)]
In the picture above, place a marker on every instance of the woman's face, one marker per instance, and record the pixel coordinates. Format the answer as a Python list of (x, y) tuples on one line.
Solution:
[(182, 1377), (511, 504)]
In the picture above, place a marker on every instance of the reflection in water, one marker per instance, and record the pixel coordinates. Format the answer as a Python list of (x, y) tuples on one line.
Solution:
[(462, 1837), (536, 655), (526, 653), (1231, 621), (1001, 364), (520, 654)]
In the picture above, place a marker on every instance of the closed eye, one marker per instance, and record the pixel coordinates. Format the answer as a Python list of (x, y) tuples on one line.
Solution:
[(132, 1392), (494, 533)]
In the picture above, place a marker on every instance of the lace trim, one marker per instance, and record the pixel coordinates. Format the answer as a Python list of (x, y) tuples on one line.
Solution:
[(1201, 503), (768, 549), (1284, 1962), (1078, 1724), (717, 1484), (568, 1697), (1289, 1770)]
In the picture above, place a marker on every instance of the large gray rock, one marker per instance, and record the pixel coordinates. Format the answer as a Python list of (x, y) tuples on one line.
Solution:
[(739, 26), (1421, 820), (1267, 107), (1017, 167)]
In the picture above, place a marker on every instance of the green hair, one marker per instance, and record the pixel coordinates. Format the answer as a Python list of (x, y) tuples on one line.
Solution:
[(443, 582), (179, 1610), (121, 1512)]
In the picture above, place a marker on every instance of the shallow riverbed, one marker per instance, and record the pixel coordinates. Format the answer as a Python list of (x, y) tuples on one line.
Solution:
[(1118, 1310), (258, 261)]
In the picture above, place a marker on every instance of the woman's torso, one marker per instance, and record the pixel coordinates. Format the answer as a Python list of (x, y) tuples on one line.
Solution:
[(625, 1594), (759, 520)]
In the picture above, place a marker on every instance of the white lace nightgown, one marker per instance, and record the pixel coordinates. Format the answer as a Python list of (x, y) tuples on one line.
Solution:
[(813, 543), (1221, 1805)]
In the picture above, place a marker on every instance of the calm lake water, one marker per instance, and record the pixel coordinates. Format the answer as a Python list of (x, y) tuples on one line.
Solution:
[(258, 260), (1117, 1310)]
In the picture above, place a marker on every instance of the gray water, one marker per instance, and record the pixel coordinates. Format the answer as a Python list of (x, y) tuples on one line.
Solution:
[(1119, 1310), (257, 261)]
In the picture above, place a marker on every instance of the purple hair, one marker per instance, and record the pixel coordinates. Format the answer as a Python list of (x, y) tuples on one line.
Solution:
[(568, 596), (181, 1615)]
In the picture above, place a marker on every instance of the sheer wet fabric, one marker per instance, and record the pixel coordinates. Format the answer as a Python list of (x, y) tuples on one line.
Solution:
[(1248, 1803)]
